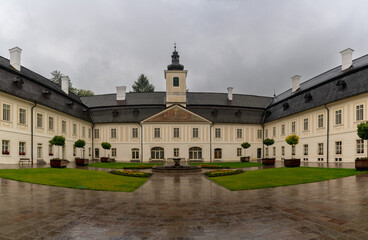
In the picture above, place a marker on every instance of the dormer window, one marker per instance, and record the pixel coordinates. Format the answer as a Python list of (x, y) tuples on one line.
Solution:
[(176, 82)]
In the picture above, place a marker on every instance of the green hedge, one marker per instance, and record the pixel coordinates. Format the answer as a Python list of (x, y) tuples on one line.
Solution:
[(220, 173), (130, 173)]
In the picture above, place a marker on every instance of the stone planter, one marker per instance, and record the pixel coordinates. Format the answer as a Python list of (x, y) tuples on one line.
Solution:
[(361, 164), (81, 161), (292, 162), (58, 163), (104, 159), (268, 161), (244, 159)]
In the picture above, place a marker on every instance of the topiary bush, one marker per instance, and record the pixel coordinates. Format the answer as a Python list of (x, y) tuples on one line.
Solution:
[(362, 131), (292, 140), (58, 141), (80, 144), (245, 145)]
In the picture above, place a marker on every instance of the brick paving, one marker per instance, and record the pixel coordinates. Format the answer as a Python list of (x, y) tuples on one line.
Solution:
[(186, 206)]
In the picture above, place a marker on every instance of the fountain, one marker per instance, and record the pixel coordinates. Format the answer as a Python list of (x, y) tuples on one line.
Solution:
[(176, 168)]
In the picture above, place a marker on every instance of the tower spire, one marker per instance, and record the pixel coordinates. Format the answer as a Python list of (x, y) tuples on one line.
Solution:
[(175, 63)]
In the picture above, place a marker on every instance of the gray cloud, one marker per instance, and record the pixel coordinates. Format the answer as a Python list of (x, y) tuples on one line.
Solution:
[(253, 46)]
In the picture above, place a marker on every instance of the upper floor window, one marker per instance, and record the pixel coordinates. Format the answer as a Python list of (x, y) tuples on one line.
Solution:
[(359, 112), (22, 116), (39, 120), (239, 133), (83, 131), (89, 133), (217, 132), (306, 124), (274, 131), (74, 129), (157, 133), (135, 132), (51, 123), (176, 133), (176, 82), (266, 133), (293, 127), (195, 132), (97, 133), (6, 112), (113, 132), (259, 133), (320, 121), (283, 129), (63, 126), (338, 117)]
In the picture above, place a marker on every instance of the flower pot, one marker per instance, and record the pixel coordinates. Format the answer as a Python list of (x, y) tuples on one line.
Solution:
[(292, 162), (58, 163), (268, 161), (361, 164), (81, 161), (244, 159), (104, 159)]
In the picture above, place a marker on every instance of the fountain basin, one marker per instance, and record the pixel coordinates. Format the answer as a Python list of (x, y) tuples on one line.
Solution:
[(176, 168)]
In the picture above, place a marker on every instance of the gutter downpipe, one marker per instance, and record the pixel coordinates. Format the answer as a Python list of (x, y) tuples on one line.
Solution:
[(263, 120), (32, 134), (211, 142), (141, 142), (328, 133), (93, 141)]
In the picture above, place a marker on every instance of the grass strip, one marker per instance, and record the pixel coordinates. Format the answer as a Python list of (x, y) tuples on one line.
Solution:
[(276, 177), (74, 178)]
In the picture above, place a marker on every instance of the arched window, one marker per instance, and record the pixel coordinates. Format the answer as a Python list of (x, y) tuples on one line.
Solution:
[(135, 153), (176, 82), (218, 153), (157, 153), (195, 153)]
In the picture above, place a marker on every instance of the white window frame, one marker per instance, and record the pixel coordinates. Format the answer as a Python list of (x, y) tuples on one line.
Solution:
[(338, 147), (359, 146), (134, 132), (22, 116), (338, 117), (239, 133), (306, 124), (293, 127), (51, 123), (39, 120), (157, 132), (113, 133), (217, 132), (239, 152), (176, 132), (320, 120), (195, 132), (6, 112), (359, 112)]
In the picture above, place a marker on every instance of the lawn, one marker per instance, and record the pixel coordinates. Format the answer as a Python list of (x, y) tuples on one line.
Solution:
[(232, 164), (276, 177), (118, 165), (74, 178)]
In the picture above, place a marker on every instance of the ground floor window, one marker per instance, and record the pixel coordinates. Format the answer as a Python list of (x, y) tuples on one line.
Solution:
[(259, 152), (97, 153), (39, 150), (320, 148), (266, 151), (51, 150), (292, 150), (274, 151), (360, 146), (195, 153), (238, 152), (176, 152), (305, 146), (22, 148), (113, 151), (74, 151), (5, 147), (218, 153), (338, 147), (89, 151), (135, 153), (283, 150), (157, 153)]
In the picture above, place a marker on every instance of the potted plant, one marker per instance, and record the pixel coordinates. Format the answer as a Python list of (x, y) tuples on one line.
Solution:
[(105, 146), (245, 145), (293, 162), (80, 161), (361, 164), (268, 161), (58, 141)]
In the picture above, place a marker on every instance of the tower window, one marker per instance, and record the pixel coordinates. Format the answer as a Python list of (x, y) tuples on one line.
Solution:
[(176, 82)]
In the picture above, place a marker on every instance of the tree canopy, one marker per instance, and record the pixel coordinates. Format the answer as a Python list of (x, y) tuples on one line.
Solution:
[(57, 141), (268, 142), (292, 140), (143, 85), (56, 78)]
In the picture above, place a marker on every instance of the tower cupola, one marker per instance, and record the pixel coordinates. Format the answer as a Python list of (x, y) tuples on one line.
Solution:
[(175, 64)]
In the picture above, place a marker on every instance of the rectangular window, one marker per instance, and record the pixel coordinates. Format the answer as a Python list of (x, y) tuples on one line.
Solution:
[(22, 148), (97, 133), (239, 152), (22, 116), (175, 82), (338, 147), (39, 120), (320, 121), (83, 131), (359, 112), (135, 153), (63, 126), (5, 147), (51, 150), (113, 133), (283, 150), (74, 129), (113, 152), (157, 133), (360, 146), (338, 117), (266, 151), (176, 133), (217, 132), (6, 112), (266, 133), (39, 150), (195, 132), (89, 152), (51, 123), (293, 127), (305, 148), (274, 151), (176, 152), (306, 124), (239, 133), (89, 132), (259, 133), (134, 132), (283, 129), (320, 148), (274, 131)]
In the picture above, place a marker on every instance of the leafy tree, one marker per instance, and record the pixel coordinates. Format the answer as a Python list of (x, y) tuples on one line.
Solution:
[(268, 142), (84, 93), (58, 141), (292, 140), (106, 146), (143, 85), (362, 131), (245, 145), (80, 144), (56, 78)]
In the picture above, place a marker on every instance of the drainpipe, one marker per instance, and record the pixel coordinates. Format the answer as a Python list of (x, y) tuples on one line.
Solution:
[(93, 139), (328, 133), (141, 142), (211, 142), (35, 104)]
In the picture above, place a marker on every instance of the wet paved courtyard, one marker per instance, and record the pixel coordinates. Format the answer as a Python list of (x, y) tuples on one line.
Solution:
[(186, 206)]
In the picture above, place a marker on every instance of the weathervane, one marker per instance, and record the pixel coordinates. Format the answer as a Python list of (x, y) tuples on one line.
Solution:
[(175, 46)]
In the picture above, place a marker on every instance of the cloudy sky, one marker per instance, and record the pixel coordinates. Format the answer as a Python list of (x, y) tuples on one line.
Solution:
[(253, 46)]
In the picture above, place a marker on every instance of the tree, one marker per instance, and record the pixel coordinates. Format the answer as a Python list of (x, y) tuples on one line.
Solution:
[(292, 140), (84, 93), (245, 145), (56, 78), (80, 144), (58, 141), (142, 85), (106, 146), (268, 142), (362, 131)]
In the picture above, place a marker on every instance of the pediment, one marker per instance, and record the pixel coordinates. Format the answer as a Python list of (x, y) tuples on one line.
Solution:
[(176, 113)]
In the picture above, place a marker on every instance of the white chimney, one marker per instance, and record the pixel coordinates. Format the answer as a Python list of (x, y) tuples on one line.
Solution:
[(295, 83), (347, 58), (120, 93), (230, 93), (65, 84), (15, 57)]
